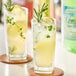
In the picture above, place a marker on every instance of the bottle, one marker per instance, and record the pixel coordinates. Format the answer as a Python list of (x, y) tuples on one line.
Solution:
[(58, 15), (50, 12), (69, 25)]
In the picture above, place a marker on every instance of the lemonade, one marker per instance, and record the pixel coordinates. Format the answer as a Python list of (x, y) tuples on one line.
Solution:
[(44, 44), (17, 22), (45, 53)]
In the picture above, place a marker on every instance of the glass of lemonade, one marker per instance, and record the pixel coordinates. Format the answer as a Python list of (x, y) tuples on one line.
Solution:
[(16, 22), (44, 38)]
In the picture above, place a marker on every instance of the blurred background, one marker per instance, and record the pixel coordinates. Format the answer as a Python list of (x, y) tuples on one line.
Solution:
[(29, 5), (63, 59)]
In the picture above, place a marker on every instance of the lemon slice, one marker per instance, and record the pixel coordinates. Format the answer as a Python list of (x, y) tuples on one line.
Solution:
[(14, 30), (48, 20), (44, 53), (19, 13), (45, 46), (20, 16)]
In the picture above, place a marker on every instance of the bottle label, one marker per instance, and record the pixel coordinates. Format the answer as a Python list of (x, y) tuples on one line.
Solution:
[(70, 22)]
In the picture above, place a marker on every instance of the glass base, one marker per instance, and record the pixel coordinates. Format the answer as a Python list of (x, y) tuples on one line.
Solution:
[(16, 57), (45, 70)]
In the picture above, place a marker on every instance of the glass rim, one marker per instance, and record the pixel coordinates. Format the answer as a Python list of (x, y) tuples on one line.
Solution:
[(45, 18), (26, 10)]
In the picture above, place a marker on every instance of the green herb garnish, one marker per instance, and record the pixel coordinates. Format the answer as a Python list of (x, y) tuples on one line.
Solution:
[(21, 34), (47, 36), (20, 28), (12, 49), (45, 27), (50, 28), (9, 5), (39, 14), (10, 20)]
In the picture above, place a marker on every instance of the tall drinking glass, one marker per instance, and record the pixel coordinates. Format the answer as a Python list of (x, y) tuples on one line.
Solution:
[(16, 22), (44, 35)]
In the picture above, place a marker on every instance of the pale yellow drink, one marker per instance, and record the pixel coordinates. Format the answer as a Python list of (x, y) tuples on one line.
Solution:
[(44, 34), (17, 33), (45, 53)]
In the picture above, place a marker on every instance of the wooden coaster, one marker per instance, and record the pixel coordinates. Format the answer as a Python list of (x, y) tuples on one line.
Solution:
[(56, 72), (3, 58)]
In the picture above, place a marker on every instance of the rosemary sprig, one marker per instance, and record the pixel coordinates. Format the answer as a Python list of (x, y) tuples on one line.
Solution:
[(9, 5), (39, 14)]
